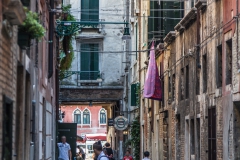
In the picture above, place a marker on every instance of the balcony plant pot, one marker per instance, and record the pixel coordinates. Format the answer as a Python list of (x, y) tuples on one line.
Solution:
[(24, 39)]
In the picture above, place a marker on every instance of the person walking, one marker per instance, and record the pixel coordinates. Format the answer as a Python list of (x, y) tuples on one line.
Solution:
[(109, 151), (81, 152), (127, 156), (64, 150), (98, 150), (146, 155)]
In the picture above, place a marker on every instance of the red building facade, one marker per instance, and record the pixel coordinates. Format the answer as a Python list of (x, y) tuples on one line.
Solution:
[(90, 120)]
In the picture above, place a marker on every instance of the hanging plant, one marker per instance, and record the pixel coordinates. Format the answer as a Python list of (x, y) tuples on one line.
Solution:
[(67, 53), (31, 25)]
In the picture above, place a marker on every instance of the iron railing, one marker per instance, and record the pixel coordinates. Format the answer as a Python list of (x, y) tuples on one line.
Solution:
[(81, 75)]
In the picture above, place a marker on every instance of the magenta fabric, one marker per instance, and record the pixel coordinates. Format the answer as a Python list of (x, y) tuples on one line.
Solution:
[(152, 86)]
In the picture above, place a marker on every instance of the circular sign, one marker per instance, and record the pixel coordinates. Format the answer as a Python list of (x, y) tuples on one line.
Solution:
[(120, 123)]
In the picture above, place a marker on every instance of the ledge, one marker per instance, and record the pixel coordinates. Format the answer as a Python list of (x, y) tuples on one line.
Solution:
[(14, 12), (201, 4), (192, 14), (170, 37)]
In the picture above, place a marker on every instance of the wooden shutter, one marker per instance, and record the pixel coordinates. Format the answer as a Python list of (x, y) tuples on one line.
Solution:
[(94, 10), (85, 10), (94, 62), (133, 95)]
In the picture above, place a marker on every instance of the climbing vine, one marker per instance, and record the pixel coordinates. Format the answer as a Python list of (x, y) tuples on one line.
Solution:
[(135, 138), (67, 53)]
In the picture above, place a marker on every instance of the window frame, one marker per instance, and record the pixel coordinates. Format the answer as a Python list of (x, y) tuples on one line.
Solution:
[(105, 112), (80, 113), (89, 116)]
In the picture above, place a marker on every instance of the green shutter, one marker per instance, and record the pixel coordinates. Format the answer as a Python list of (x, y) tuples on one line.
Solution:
[(133, 95), (85, 10), (94, 10), (89, 61)]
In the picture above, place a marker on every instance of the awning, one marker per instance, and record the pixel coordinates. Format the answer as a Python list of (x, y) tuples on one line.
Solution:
[(91, 137), (152, 85)]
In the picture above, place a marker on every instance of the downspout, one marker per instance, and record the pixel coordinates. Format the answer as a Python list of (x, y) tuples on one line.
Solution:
[(136, 39), (50, 39)]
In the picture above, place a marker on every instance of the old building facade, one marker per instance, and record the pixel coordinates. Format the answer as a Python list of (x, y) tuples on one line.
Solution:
[(27, 87), (198, 64)]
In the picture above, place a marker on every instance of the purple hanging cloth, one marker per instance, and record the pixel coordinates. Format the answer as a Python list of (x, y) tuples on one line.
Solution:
[(152, 86)]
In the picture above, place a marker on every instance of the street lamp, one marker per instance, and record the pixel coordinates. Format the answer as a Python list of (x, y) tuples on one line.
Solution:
[(125, 132), (126, 34)]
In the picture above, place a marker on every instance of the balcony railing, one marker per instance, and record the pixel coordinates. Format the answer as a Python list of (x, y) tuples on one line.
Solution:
[(81, 75)]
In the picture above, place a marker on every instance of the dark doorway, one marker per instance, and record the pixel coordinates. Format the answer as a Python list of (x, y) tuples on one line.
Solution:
[(70, 131), (7, 128), (236, 135), (212, 134)]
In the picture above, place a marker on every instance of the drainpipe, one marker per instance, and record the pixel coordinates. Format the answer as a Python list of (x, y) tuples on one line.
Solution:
[(50, 39)]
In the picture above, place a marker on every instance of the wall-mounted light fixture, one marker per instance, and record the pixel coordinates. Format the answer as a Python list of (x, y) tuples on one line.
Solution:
[(125, 132), (90, 103)]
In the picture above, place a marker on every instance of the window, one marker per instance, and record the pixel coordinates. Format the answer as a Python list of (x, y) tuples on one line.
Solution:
[(187, 81), (77, 116), (182, 84), (86, 117), (173, 87), (103, 116), (89, 61), (204, 64), (89, 10), (7, 128), (229, 62), (219, 66), (212, 134)]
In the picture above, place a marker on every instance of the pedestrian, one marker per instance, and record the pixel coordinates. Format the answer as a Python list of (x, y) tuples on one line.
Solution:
[(109, 151), (64, 150), (98, 150), (127, 156), (81, 153), (146, 155)]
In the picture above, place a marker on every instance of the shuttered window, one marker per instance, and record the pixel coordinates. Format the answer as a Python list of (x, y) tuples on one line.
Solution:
[(89, 10), (133, 95), (89, 61)]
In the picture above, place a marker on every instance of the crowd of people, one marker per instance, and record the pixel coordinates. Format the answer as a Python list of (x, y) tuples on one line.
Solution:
[(100, 152)]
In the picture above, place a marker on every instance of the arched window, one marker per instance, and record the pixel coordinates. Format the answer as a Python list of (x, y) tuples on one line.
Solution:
[(86, 117), (103, 116), (77, 116)]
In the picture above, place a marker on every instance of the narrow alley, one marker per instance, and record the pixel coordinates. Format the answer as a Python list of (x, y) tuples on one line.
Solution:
[(119, 79)]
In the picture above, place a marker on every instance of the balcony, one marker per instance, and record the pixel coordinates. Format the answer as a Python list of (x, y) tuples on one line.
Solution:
[(81, 78)]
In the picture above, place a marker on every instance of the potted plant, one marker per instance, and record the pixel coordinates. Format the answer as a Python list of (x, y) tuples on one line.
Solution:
[(30, 29)]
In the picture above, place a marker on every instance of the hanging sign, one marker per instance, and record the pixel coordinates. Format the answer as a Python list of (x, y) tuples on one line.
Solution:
[(120, 123), (110, 122)]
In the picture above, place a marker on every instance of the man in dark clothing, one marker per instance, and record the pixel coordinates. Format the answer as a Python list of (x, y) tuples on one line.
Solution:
[(109, 151)]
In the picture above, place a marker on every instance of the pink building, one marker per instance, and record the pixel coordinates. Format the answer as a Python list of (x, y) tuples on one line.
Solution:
[(90, 120)]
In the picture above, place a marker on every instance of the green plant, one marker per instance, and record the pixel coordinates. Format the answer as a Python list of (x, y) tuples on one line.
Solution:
[(135, 138), (31, 26), (66, 61)]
